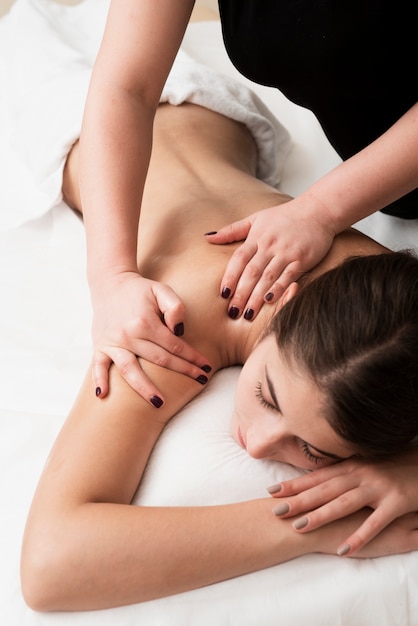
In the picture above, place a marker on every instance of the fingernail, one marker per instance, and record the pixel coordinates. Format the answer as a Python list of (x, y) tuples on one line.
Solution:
[(98, 391), (343, 550), (206, 368), (202, 379), (179, 329), (281, 509), (156, 401), (269, 296), (249, 314), (300, 523), (212, 232), (233, 312), (275, 488), (226, 292)]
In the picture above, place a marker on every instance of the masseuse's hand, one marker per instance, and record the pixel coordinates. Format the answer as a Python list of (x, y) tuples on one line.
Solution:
[(388, 488), (280, 244), (134, 316)]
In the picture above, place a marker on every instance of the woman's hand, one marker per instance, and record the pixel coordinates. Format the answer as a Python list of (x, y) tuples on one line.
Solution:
[(388, 488), (281, 243), (398, 537), (134, 316)]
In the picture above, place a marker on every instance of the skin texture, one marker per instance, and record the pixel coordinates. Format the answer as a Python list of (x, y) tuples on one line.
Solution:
[(85, 545), (139, 45)]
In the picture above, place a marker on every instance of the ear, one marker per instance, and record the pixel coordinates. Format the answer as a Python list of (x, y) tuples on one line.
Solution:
[(288, 294)]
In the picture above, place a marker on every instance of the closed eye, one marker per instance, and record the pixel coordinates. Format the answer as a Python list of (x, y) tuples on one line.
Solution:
[(260, 397), (309, 455)]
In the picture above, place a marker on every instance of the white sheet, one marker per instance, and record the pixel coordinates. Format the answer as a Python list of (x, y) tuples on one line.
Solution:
[(45, 348)]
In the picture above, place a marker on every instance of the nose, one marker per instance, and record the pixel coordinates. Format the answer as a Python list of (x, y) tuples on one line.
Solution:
[(265, 440)]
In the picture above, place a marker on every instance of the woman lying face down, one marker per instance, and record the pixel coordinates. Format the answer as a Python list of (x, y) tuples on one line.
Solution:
[(302, 385), (335, 374)]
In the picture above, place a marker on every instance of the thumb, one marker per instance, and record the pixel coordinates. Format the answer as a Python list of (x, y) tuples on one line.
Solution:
[(171, 307), (237, 231)]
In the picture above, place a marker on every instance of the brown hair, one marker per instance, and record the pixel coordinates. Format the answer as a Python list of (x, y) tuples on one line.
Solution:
[(354, 330)]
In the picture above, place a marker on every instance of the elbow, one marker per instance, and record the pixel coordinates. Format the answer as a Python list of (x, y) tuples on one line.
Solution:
[(43, 575)]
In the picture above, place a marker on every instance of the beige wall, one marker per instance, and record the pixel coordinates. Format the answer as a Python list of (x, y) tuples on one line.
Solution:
[(208, 4)]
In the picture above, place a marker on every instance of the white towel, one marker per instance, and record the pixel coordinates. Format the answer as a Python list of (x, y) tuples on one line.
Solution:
[(46, 55)]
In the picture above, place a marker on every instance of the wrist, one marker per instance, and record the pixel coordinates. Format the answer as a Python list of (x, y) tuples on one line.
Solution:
[(320, 212), (112, 275)]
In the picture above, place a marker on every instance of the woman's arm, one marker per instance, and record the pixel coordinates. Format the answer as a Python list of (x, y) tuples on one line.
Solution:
[(87, 547)]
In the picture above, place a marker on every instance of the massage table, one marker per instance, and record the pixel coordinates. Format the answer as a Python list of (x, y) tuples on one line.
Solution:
[(45, 349)]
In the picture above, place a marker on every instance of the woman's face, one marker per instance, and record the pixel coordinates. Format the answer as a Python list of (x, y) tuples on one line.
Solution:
[(278, 413)]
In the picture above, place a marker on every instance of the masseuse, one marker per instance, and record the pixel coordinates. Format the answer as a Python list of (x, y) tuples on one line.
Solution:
[(354, 86)]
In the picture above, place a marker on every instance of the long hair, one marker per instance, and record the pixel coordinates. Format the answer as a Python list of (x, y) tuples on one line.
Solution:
[(354, 331)]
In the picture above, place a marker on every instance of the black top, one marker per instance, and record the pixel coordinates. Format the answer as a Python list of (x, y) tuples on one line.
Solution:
[(345, 60)]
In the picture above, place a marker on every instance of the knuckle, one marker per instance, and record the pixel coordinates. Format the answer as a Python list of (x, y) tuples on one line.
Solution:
[(177, 349), (162, 360), (125, 364), (269, 276), (253, 271), (242, 254)]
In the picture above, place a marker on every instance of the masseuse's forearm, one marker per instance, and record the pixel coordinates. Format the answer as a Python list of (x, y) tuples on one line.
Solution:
[(115, 148), (370, 180), (112, 554)]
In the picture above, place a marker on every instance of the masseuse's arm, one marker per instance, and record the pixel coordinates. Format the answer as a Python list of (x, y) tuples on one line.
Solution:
[(140, 43), (284, 241)]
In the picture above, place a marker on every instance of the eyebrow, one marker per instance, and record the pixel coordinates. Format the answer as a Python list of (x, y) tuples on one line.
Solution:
[(276, 404)]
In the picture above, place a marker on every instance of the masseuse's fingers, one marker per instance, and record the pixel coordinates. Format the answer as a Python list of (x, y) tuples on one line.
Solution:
[(136, 317), (260, 269), (128, 365), (130, 369), (281, 242)]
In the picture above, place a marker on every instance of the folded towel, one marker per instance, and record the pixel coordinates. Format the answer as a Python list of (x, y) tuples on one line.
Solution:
[(193, 82), (47, 52)]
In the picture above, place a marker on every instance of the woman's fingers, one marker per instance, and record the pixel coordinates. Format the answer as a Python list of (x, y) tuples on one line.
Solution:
[(309, 480), (320, 505), (377, 521)]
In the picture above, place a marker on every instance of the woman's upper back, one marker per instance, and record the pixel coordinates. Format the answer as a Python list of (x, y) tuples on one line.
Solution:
[(201, 177)]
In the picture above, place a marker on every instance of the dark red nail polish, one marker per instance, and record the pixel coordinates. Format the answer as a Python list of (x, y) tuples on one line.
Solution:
[(156, 401), (202, 379), (206, 368), (212, 232), (226, 292), (269, 296), (233, 312), (249, 314), (179, 329), (98, 391)]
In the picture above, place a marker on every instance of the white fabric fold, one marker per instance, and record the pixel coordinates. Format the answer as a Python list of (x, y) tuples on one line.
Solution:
[(48, 51)]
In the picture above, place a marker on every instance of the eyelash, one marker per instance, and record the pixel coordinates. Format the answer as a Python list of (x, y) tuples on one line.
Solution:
[(308, 453), (261, 398)]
